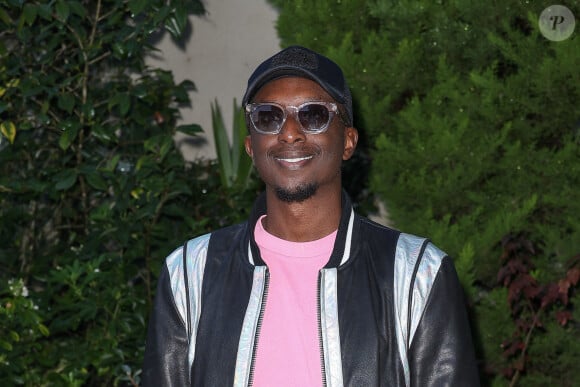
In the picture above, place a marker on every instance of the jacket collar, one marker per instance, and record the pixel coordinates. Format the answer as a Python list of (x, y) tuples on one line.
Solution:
[(342, 245)]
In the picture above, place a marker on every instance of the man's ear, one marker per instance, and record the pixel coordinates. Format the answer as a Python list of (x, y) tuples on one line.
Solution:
[(350, 141), (248, 146)]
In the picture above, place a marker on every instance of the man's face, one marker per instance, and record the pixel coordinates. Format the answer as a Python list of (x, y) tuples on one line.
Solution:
[(293, 164)]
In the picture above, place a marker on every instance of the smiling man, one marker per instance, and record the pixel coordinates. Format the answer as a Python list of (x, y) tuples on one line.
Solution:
[(306, 292)]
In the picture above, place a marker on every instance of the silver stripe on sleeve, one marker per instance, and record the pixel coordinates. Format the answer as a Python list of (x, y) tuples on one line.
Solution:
[(196, 259), (250, 255), (407, 252), (406, 256), (428, 268), (330, 327), (248, 334), (347, 245)]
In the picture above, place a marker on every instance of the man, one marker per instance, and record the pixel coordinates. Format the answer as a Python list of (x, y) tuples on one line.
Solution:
[(306, 292)]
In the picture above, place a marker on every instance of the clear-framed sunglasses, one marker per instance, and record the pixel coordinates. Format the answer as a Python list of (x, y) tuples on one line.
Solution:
[(313, 117)]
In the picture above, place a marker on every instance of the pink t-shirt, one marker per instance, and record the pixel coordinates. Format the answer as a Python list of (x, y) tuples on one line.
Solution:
[(288, 351)]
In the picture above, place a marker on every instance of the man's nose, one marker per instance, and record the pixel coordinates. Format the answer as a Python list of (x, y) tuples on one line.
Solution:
[(291, 130)]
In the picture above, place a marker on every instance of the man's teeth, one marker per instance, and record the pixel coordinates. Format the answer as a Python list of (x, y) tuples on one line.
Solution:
[(295, 160)]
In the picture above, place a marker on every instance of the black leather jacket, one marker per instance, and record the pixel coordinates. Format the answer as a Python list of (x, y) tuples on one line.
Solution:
[(391, 311)]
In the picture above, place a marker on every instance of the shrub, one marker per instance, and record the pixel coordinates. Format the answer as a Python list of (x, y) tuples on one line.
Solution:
[(474, 141), (93, 192)]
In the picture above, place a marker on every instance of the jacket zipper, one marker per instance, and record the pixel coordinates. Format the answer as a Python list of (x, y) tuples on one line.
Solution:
[(258, 328), (320, 340)]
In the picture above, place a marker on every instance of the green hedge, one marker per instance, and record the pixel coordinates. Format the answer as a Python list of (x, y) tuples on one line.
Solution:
[(473, 133), (93, 192)]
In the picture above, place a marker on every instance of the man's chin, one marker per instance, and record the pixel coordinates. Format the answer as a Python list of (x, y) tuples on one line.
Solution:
[(296, 194)]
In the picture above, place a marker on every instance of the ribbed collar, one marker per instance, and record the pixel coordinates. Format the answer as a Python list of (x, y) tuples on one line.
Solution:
[(343, 237)]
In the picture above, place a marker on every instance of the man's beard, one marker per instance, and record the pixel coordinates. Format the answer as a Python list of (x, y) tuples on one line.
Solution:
[(298, 194)]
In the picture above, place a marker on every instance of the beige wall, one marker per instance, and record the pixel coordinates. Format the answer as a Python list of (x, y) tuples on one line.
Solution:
[(224, 48)]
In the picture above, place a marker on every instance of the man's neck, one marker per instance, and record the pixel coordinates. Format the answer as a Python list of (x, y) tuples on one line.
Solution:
[(309, 220)]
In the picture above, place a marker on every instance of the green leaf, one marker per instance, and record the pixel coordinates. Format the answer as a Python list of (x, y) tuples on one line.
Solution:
[(192, 129), (8, 129), (66, 179), (222, 144), (4, 17), (29, 13), (66, 102), (235, 165), (88, 110), (176, 24), (238, 135), (69, 134), (137, 6), (140, 91), (165, 146), (62, 10), (44, 108), (44, 11), (152, 143), (5, 345), (180, 95), (123, 101), (77, 8), (112, 163), (104, 134), (102, 212), (119, 50), (14, 336), (161, 14), (124, 104), (188, 85), (242, 162), (96, 181), (181, 92), (43, 329), (194, 7)]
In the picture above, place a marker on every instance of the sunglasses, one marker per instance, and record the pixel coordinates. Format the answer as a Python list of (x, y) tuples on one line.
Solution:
[(269, 117)]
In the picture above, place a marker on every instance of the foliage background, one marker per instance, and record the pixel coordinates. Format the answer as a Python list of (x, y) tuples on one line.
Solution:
[(93, 192), (472, 125), (470, 135)]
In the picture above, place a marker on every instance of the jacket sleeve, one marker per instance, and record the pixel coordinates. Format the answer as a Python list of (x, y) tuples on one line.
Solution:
[(165, 362), (442, 352)]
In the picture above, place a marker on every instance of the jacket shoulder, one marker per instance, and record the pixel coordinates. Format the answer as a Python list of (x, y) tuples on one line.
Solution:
[(416, 266), (370, 231), (194, 248), (412, 249), (198, 247), (417, 263)]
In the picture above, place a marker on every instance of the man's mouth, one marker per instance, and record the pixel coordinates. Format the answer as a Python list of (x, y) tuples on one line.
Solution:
[(293, 159)]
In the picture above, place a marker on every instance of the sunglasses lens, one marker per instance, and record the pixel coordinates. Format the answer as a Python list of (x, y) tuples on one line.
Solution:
[(267, 118), (314, 117)]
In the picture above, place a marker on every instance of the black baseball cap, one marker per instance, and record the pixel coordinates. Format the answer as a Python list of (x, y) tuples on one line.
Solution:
[(302, 62)]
